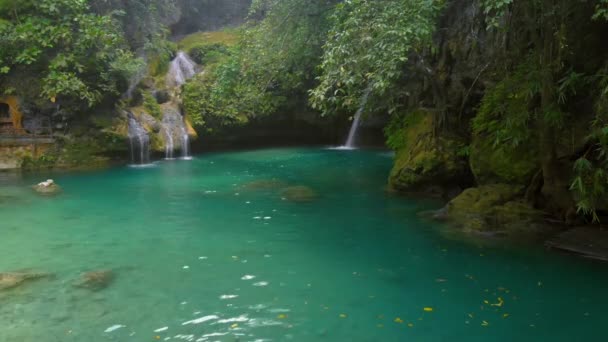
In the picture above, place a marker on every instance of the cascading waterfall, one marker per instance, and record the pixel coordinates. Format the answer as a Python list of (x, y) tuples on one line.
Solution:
[(352, 134), (181, 69), (139, 142)]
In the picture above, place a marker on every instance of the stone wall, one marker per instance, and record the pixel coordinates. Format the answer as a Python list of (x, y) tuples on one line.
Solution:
[(14, 151)]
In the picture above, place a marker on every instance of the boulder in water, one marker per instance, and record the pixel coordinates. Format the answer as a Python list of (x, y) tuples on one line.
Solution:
[(96, 280), (11, 280), (299, 193), (48, 187)]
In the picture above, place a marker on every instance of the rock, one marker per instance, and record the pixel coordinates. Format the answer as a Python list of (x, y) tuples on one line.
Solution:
[(494, 208), (14, 279), (48, 187), (428, 163), (491, 164), (264, 184), (96, 280), (588, 242), (299, 193)]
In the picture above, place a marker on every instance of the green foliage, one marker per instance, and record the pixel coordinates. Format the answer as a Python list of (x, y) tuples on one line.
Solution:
[(506, 110), (590, 182), (368, 47), (601, 10), (151, 106), (495, 11), (396, 130), (222, 97), (81, 56)]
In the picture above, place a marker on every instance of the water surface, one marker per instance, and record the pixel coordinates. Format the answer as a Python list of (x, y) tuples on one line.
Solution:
[(211, 250)]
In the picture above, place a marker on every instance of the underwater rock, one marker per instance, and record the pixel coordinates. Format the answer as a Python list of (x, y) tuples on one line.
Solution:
[(48, 187), (264, 184), (299, 193), (96, 280), (14, 279)]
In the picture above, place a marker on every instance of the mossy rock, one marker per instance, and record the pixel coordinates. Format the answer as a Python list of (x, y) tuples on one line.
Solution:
[(495, 207), (426, 162), (511, 165)]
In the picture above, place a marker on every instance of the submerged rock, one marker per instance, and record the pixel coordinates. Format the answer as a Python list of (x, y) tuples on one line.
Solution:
[(264, 184), (96, 280), (299, 193), (14, 279), (48, 187)]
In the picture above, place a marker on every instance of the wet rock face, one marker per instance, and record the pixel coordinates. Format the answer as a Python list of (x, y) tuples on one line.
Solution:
[(11, 280), (490, 164), (299, 193), (96, 280), (428, 163), (48, 187)]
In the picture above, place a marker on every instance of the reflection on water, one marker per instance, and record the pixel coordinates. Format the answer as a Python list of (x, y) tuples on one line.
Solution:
[(212, 250)]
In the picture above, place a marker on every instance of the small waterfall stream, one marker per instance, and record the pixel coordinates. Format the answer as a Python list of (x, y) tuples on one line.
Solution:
[(181, 69), (139, 143), (169, 146), (352, 134), (185, 141)]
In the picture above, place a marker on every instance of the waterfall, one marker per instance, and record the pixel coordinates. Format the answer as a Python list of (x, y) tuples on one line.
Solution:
[(169, 146), (139, 142), (176, 132), (352, 134), (181, 69), (185, 141)]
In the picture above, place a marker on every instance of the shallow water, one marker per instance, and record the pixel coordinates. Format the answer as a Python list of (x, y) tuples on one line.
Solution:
[(208, 250)]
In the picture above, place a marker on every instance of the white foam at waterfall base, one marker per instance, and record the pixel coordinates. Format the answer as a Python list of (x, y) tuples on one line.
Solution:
[(181, 69)]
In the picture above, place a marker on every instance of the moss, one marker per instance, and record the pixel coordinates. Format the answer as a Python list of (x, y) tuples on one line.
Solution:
[(151, 106), (495, 207), (45, 161), (423, 160), (506, 164), (199, 39)]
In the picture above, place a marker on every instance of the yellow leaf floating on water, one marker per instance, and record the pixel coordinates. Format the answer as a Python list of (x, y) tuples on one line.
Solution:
[(398, 320), (234, 326), (428, 309), (484, 323), (505, 315), (343, 316), (282, 316), (410, 325), (500, 302)]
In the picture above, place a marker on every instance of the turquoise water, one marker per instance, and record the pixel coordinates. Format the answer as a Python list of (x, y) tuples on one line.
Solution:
[(202, 254)]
